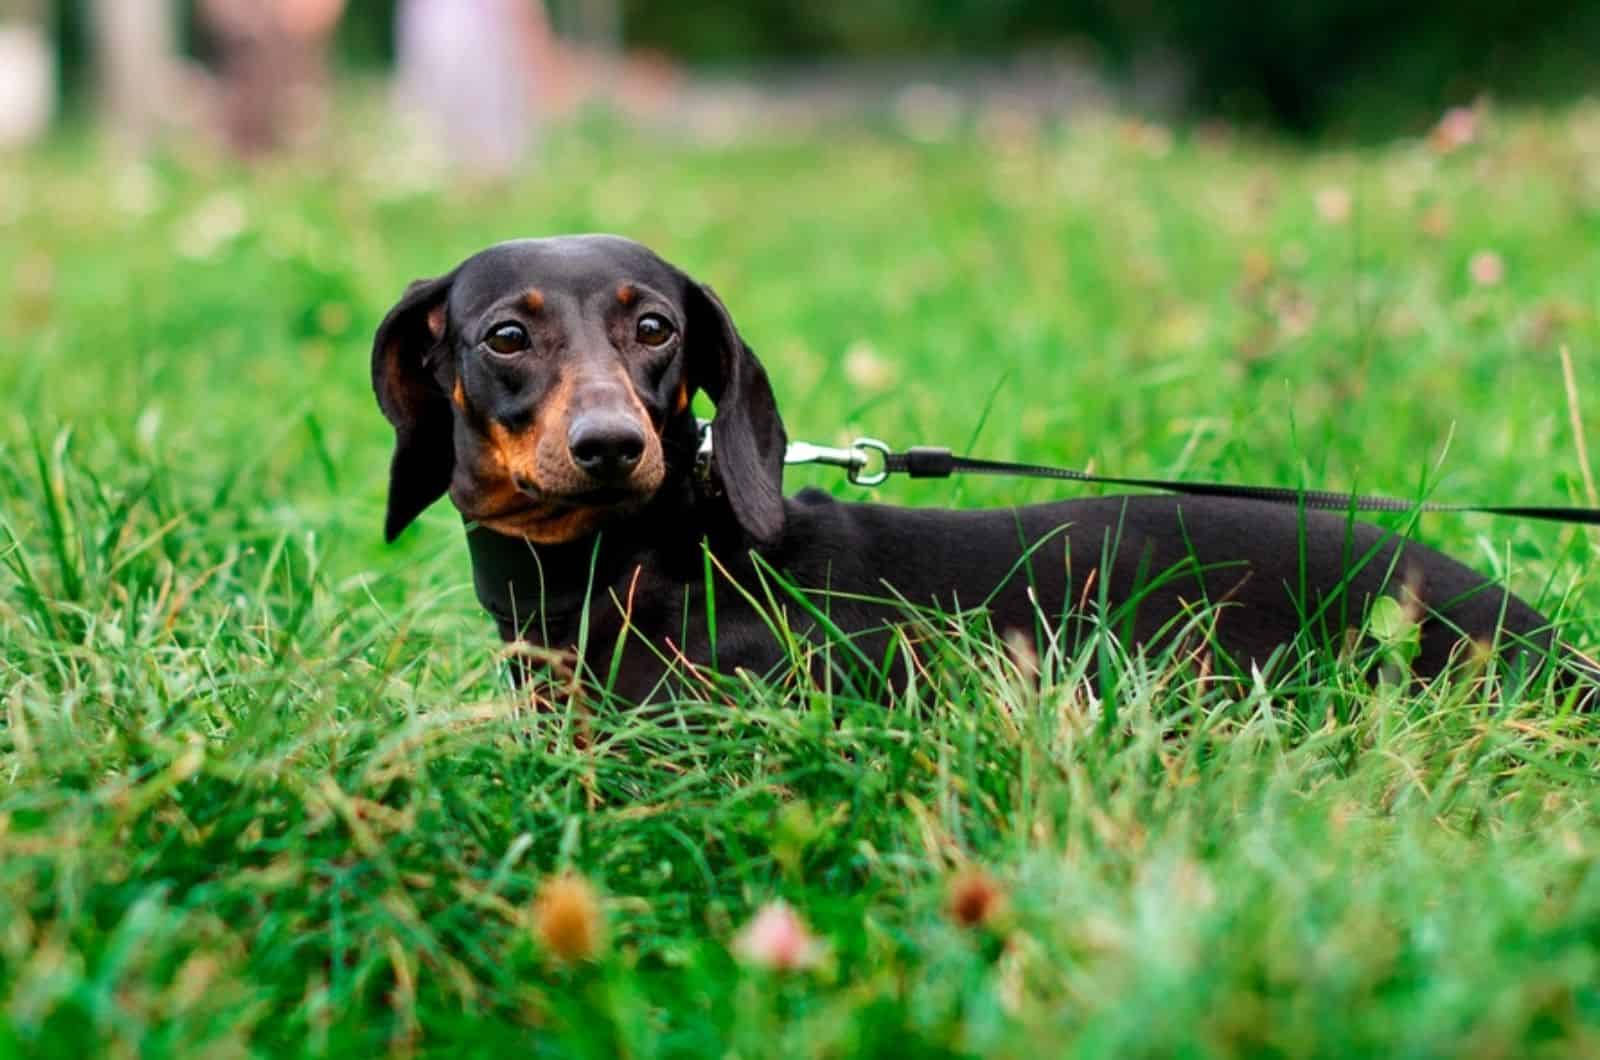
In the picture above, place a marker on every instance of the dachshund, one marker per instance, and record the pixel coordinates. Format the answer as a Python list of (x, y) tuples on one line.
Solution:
[(546, 386)]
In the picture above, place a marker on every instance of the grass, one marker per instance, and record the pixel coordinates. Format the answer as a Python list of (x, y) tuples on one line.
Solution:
[(262, 789)]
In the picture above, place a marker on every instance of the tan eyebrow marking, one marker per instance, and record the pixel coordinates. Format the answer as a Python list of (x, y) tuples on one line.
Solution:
[(626, 294), (534, 300)]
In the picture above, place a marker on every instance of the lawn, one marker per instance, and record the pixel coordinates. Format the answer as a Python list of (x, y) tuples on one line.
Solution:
[(263, 790)]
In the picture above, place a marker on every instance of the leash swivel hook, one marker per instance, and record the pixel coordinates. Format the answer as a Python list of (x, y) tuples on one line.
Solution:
[(873, 454), (866, 460)]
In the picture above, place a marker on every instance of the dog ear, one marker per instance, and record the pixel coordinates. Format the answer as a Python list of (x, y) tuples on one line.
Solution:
[(747, 434), (406, 376)]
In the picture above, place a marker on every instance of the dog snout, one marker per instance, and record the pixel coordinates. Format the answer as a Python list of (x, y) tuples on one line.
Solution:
[(606, 445)]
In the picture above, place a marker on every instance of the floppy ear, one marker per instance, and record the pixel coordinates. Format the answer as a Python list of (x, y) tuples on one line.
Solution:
[(747, 435), (407, 377)]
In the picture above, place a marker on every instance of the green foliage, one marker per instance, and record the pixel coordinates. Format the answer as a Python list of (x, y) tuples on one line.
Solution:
[(1348, 66), (1365, 66), (262, 788)]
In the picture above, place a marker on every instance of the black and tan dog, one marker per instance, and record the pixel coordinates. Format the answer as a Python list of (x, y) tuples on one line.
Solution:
[(546, 385)]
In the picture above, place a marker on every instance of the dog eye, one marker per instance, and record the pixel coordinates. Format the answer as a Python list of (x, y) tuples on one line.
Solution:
[(508, 338), (653, 329)]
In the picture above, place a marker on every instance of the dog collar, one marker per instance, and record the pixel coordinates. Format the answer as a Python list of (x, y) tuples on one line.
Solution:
[(515, 582)]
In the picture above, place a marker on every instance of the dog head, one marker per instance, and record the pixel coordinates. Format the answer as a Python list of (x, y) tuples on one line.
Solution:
[(535, 384)]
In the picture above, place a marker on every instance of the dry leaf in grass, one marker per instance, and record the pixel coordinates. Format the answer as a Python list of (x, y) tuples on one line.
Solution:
[(568, 919), (975, 899)]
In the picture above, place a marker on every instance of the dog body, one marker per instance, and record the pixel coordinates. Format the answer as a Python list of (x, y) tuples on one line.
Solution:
[(1145, 568), (545, 385)]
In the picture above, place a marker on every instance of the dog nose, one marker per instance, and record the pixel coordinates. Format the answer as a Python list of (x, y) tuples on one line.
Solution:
[(606, 445)]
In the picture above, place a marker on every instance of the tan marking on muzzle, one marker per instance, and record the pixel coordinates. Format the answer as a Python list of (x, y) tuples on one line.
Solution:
[(565, 526), (532, 456), (511, 455), (544, 527), (681, 401), (518, 455), (458, 396), (541, 457)]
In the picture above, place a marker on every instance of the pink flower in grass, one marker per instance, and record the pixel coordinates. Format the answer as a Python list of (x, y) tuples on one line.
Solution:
[(1457, 129), (1488, 269), (778, 939)]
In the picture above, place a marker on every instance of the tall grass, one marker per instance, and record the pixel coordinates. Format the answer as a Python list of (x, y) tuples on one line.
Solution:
[(263, 788)]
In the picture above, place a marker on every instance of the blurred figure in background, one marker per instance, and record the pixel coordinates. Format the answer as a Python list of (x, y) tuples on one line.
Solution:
[(140, 75), (272, 64), (467, 76), (27, 73)]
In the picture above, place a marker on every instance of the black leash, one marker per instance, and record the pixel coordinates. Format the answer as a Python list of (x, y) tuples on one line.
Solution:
[(868, 462)]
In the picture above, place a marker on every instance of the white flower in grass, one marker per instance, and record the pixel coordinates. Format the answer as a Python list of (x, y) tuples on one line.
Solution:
[(211, 226), (1334, 205), (866, 368)]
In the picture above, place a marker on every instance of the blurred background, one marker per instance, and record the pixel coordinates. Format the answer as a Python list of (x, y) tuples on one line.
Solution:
[(258, 72)]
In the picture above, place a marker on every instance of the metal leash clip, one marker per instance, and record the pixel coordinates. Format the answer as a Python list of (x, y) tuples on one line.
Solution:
[(874, 454), (866, 461)]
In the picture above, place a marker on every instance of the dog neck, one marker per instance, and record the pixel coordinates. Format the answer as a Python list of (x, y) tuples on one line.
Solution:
[(530, 588)]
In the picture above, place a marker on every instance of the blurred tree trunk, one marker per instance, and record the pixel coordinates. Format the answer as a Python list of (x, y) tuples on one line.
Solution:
[(137, 67), (468, 75), (27, 72)]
